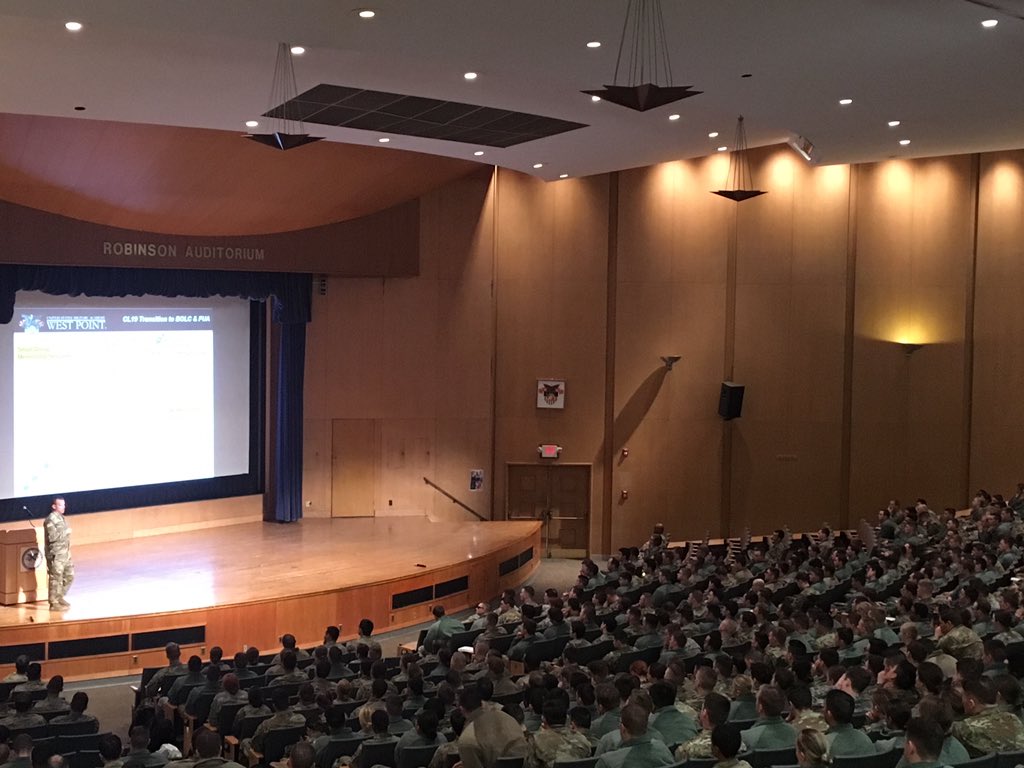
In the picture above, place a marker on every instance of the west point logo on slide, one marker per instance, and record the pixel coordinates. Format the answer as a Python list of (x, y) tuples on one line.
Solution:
[(31, 323), (72, 323)]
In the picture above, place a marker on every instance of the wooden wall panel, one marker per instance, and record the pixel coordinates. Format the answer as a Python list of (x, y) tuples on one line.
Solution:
[(316, 474), (914, 246), (780, 328), (670, 300), (413, 357), (790, 310), (998, 417), (551, 288)]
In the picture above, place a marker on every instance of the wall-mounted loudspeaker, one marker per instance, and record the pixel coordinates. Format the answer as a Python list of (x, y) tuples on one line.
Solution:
[(730, 402)]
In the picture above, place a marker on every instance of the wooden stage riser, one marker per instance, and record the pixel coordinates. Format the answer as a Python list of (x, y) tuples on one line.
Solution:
[(261, 623)]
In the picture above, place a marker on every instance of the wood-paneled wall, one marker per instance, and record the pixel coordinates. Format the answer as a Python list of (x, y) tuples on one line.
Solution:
[(801, 295), (403, 369)]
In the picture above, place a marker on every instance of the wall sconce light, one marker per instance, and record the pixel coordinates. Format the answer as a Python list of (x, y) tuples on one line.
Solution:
[(909, 348), (670, 360), (625, 452), (623, 494)]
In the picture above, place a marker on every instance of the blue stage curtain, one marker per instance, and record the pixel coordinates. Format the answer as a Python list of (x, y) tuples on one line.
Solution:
[(291, 359), (291, 298)]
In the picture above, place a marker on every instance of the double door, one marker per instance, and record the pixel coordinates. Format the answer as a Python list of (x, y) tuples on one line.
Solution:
[(558, 495)]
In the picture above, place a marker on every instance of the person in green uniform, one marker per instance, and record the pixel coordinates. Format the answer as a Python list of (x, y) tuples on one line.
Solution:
[(59, 567)]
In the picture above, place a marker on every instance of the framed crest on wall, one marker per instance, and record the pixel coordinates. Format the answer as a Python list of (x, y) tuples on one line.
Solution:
[(550, 393)]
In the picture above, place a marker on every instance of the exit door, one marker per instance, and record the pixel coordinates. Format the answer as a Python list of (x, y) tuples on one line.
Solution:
[(559, 496)]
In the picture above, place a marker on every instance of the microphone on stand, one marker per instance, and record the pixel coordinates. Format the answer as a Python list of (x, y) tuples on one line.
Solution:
[(29, 516)]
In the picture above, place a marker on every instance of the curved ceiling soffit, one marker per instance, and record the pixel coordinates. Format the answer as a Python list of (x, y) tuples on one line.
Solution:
[(190, 181)]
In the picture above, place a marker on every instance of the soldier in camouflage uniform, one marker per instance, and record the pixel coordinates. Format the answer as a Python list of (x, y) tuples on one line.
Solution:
[(22, 716), (714, 713), (554, 741), (283, 717), (801, 715), (986, 729), (954, 638), (58, 555)]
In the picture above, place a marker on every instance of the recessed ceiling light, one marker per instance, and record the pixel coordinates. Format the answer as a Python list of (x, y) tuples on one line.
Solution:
[(252, 123), (383, 139), (366, 13), (595, 98), (79, 109), (746, 74), (846, 102), (563, 175), (478, 153), (470, 75), (989, 23), (594, 44), (298, 50), (722, 149), (673, 117), (713, 135), (73, 26), (894, 123), (538, 165), (904, 142)]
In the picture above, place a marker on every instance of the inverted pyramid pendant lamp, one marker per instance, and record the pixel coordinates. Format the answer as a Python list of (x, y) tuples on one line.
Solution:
[(740, 183), (288, 131), (643, 53)]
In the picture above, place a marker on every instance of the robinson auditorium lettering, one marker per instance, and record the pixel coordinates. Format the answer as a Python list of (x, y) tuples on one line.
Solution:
[(171, 250)]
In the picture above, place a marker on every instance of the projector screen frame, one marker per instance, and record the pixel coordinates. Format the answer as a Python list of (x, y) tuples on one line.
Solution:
[(159, 494)]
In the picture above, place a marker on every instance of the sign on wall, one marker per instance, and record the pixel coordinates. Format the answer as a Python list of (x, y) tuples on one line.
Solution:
[(550, 393)]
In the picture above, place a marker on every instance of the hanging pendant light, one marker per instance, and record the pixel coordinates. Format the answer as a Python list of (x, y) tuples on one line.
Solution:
[(648, 82), (740, 182), (288, 131)]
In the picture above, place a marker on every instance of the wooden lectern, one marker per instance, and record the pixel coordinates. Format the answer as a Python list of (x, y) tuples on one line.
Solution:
[(23, 577)]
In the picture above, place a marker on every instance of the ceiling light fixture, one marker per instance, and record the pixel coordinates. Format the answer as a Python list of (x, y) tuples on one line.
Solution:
[(478, 153), (470, 75), (538, 165), (673, 117), (894, 123), (252, 123), (722, 149), (73, 26), (563, 175), (713, 135), (646, 60), (989, 23), (297, 50), (904, 142), (846, 102), (366, 13), (595, 98), (383, 139), (594, 44), (288, 131), (740, 181), (79, 109)]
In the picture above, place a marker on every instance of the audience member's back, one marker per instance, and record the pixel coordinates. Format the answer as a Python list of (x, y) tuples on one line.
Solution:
[(489, 733)]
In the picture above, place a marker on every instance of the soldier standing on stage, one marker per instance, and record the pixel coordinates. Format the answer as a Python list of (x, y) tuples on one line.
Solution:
[(58, 555)]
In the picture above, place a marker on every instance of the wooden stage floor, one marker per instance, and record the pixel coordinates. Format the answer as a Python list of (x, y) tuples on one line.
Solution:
[(246, 584)]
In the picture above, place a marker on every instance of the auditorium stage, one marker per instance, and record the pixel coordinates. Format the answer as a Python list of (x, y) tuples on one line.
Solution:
[(247, 584)]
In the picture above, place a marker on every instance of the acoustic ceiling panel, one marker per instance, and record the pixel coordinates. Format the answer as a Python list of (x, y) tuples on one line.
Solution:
[(396, 113)]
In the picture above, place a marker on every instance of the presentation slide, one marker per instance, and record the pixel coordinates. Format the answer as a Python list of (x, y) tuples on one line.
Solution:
[(128, 392)]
